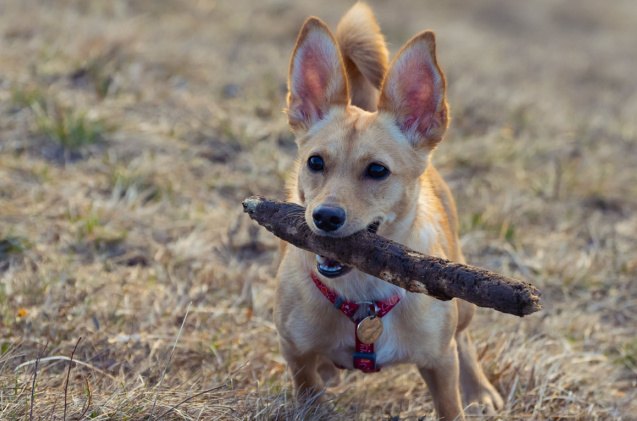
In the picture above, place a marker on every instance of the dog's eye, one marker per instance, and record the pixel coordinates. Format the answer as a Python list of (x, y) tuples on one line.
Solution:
[(377, 171), (315, 163)]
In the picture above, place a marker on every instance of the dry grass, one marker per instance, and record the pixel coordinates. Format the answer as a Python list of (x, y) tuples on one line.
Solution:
[(112, 241)]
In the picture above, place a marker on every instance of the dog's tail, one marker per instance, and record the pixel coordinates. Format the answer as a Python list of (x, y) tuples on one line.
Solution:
[(364, 53)]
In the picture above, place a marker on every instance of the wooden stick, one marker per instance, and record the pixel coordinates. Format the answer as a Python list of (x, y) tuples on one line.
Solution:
[(397, 264)]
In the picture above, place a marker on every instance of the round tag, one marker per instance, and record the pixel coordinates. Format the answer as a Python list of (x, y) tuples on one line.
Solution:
[(369, 329)]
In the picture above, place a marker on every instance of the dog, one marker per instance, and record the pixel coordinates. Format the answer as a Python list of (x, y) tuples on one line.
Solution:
[(366, 130)]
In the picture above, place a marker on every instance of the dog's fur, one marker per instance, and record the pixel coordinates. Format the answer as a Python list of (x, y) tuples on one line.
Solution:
[(346, 104)]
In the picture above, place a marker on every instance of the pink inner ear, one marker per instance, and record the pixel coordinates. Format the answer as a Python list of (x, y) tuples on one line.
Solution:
[(317, 80), (415, 96), (312, 83)]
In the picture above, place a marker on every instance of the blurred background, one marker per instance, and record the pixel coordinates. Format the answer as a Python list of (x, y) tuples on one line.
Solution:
[(130, 131)]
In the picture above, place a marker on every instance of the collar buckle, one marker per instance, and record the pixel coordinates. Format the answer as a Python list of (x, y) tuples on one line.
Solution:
[(365, 309)]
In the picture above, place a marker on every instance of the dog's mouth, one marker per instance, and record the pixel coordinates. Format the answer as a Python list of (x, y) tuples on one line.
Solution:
[(373, 227), (330, 268), (333, 269)]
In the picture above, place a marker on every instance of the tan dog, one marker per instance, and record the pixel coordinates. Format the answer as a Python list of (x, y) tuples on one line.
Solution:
[(366, 132)]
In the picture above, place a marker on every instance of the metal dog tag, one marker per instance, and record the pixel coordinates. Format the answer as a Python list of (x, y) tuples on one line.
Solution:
[(369, 329)]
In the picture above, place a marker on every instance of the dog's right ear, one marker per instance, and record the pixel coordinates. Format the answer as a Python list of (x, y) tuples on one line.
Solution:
[(414, 92), (317, 77)]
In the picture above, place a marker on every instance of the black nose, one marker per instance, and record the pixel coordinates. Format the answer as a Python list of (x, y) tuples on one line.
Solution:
[(328, 218)]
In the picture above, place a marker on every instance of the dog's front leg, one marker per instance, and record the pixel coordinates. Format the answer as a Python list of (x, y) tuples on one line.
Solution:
[(308, 385), (443, 381)]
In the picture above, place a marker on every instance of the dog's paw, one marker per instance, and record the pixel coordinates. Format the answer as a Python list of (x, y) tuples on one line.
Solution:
[(486, 402)]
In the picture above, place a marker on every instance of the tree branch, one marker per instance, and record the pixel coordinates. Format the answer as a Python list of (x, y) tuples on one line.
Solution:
[(397, 264)]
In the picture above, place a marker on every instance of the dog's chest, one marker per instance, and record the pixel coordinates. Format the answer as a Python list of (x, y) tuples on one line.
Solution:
[(339, 344)]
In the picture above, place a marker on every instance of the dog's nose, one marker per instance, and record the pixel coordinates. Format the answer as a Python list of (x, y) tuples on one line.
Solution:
[(328, 218)]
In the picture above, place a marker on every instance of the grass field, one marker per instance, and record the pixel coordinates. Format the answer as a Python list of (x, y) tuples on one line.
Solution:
[(131, 130)]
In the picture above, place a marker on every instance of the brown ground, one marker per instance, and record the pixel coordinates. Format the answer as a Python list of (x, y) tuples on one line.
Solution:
[(180, 103)]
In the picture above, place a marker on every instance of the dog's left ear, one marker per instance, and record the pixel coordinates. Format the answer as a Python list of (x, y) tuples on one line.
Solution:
[(413, 92), (317, 79)]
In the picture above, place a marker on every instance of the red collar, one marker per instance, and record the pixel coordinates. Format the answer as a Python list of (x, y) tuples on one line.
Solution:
[(364, 356)]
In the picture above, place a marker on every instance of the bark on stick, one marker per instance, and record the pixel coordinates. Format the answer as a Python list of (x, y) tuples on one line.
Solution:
[(397, 264)]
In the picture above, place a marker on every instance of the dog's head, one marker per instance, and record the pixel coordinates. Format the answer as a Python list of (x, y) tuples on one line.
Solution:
[(358, 168)]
